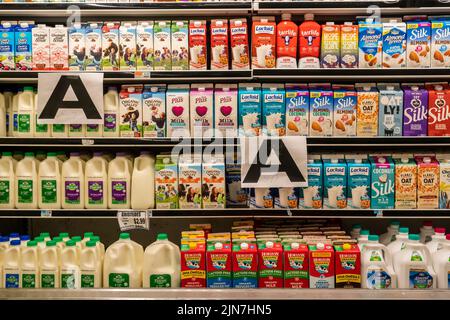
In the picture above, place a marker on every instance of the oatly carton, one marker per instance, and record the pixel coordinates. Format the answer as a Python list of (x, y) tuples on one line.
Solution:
[(405, 183), (193, 265), (394, 45), (273, 109), (177, 101), (370, 44), (383, 182), (367, 111), (415, 111), (202, 111), (438, 110), (23, 46), (218, 265), (263, 42), (296, 268), (59, 48), (110, 46), (154, 111), (334, 184), (330, 53), (166, 182), (93, 46), (213, 182), (390, 122), (349, 46), (127, 46), (345, 103), (250, 115), (162, 54), (297, 110), (239, 44), (311, 196), (440, 44), (418, 37), (245, 265), (180, 45), (41, 48), (270, 265), (144, 44), (219, 44), (348, 266), (444, 185), (358, 181), (77, 47), (198, 55), (321, 266), (130, 102), (321, 111), (226, 110), (427, 182), (7, 45)]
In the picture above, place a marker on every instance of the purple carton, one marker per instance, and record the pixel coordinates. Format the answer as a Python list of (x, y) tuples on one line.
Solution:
[(415, 111)]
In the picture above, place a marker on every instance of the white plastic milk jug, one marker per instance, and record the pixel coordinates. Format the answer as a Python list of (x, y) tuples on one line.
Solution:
[(90, 266), (11, 265), (399, 243), (363, 238), (392, 231), (143, 182), (111, 113), (29, 266), (7, 181), (15, 110), (49, 183), (72, 182), (41, 130), (70, 266), (96, 182), (8, 94), (25, 113), (441, 264), (119, 182), (3, 125), (426, 231), (49, 266), (26, 189), (437, 240)]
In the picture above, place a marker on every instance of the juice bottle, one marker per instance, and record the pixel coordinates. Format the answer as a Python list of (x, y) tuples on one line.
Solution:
[(287, 32)]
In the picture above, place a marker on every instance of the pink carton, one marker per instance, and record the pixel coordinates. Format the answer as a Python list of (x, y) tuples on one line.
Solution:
[(201, 105), (59, 48), (225, 105), (41, 47)]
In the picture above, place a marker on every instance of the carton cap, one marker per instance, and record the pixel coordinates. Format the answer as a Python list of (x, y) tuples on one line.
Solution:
[(219, 23), (320, 246), (286, 16), (348, 23), (23, 24), (295, 245), (309, 16), (144, 23), (405, 160), (238, 23), (269, 244), (197, 23), (131, 89), (218, 245), (162, 23), (415, 88), (110, 24), (382, 160), (426, 159), (346, 246), (438, 87), (358, 160), (334, 161), (180, 23), (439, 230), (244, 245), (154, 89)]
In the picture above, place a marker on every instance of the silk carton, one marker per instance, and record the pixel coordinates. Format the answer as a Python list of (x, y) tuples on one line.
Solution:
[(440, 44), (415, 111), (345, 103), (438, 110), (418, 37), (321, 111), (297, 110), (383, 183)]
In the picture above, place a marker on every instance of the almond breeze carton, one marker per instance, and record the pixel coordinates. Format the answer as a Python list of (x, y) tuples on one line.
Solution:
[(162, 46), (249, 99), (77, 47), (93, 46), (22, 47), (311, 196), (390, 122), (358, 180), (225, 110), (405, 183), (180, 45), (110, 46), (127, 46), (213, 182), (178, 121), (440, 44), (370, 44), (415, 111), (345, 103), (144, 43), (335, 184), (297, 110), (394, 45), (190, 182), (154, 111), (383, 182), (202, 110), (321, 111), (166, 182), (273, 107), (418, 37), (130, 104)]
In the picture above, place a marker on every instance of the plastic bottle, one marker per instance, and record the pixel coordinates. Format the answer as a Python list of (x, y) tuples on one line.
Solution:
[(60, 244), (363, 238), (413, 266), (40, 243), (8, 94), (41, 130), (441, 264), (119, 182), (356, 231), (7, 181), (25, 113), (96, 182), (77, 130), (392, 231), (14, 236), (49, 266), (18, 155), (287, 40), (3, 125), (61, 155), (24, 239), (399, 243), (162, 264), (72, 182), (4, 244), (40, 155), (309, 33), (426, 231), (49, 182), (100, 246), (29, 267), (26, 190), (11, 266), (437, 240), (85, 156), (143, 182), (86, 237), (90, 267), (15, 110), (78, 243), (111, 113), (46, 236), (70, 269)]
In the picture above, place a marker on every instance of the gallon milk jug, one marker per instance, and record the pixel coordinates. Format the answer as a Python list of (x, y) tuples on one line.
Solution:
[(72, 182), (441, 264), (41, 130), (96, 182), (399, 243), (414, 266), (49, 183), (99, 246), (437, 240), (122, 266), (4, 244), (15, 110), (78, 243), (49, 266), (77, 130), (11, 265), (40, 243), (119, 182), (26, 189), (111, 113), (162, 266), (356, 231), (90, 267), (86, 237), (25, 113), (392, 231), (70, 269), (8, 94), (29, 266), (426, 231), (143, 182), (8, 155), (3, 125), (363, 238), (7, 180), (24, 239), (377, 271)]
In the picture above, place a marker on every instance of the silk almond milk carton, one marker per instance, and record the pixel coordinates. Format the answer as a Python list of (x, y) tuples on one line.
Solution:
[(273, 109), (405, 183), (345, 102), (202, 112), (219, 44), (297, 110), (178, 120), (440, 44), (263, 42), (198, 55), (418, 37), (321, 111), (367, 111), (180, 45), (427, 182), (394, 45), (162, 58), (444, 182), (349, 53), (226, 109), (390, 122), (438, 110), (370, 44), (240, 58)]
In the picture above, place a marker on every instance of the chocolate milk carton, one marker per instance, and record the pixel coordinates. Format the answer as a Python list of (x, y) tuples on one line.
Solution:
[(239, 44), (190, 182), (40, 41), (130, 102), (77, 47), (383, 183), (59, 48), (154, 111), (162, 57), (330, 48), (345, 103), (405, 183), (127, 46), (370, 44), (438, 110), (177, 111), (213, 182), (93, 46), (198, 55), (249, 99), (226, 110), (427, 182), (440, 44), (390, 122), (297, 110), (219, 44), (367, 111), (144, 44), (110, 46), (41, 48), (334, 184), (202, 111), (23, 46), (358, 181), (349, 54), (311, 197), (166, 182), (418, 35), (415, 111), (394, 45), (273, 106), (180, 45), (321, 111), (444, 184)]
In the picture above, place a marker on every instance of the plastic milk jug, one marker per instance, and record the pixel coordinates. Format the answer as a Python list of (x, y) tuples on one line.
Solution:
[(99, 246), (3, 129), (8, 155), (25, 113), (143, 182), (426, 231), (24, 239), (437, 240), (441, 264), (49, 183), (413, 266), (41, 130), (15, 110), (399, 243), (26, 182), (11, 265), (162, 264), (8, 94), (70, 269), (4, 244), (392, 231), (29, 266), (72, 182), (96, 182), (111, 113), (49, 266), (90, 266), (363, 238), (7, 181), (59, 130), (356, 231), (119, 182)]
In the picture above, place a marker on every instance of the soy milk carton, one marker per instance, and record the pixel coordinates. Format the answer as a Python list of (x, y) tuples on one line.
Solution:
[(202, 111), (349, 53), (334, 184), (394, 45), (130, 103), (263, 42), (7, 46), (321, 111), (219, 44), (405, 183), (77, 47), (273, 107), (390, 121), (358, 180), (438, 110), (415, 111), (440, 44), (198, 55), (444, 182), (178, 121), (367, 111), (250, 117), (418, 37), (370, 44), (311, 197), (93, 46), (383, 183), (144, 44), (154, 111), (239, 44), (321, 266), (213, 182), (110, 46), (127, 46), (162, 57), (225, 110), (427, 182), (41, 48), (297, 110), (330, 53), (190, 182), (166, 182), (345, 103), (180, 45), (23, 46)]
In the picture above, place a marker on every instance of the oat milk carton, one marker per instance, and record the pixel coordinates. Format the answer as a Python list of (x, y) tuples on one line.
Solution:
[(41, 48), (180, 45), (273, 106), (162, 57), (198, 54), (263, 42), (213, 182), (7, 45), (23, 46), (349, 52), (427, 182), (415, 111), (444, 182), (225, 110), (405, 183), (93, 46), (127, 46), (240, 58), (370, 44), (390, 122), (418, 37), (154, 111), (440, 44), (202, 111), (130, 104), (190, 182), (383, 183), (166, 182), (297, 110), (367, 111), (321, 111), (330, 53), (345, 103), (438, 110), (178, 120), (311, 197), (77, 47), (394, 45), (219, 44), (334, 184), (250, 116), (358, 180), (110, 46), (144, 44)]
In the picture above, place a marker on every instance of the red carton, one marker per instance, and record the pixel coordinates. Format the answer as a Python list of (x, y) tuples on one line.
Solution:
[(348, 266), (270, 265), (218, 265), (321, 266), (219, 44), (245, 265), (438, 110), (198, 57), (193, 266), (239, 44), (296, 267), (264, 42)]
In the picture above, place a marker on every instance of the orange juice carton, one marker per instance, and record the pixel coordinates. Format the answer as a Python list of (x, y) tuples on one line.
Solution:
[(218, 264), (59, 52), (166, 182), (297, 110), (287, 34), (367, 111), (239, 44), (330, 48), (438, 110), (77, 47), (219, 44), (93, 46), (270, 260), (335, 184), (405, 183), (440, 44), (202, 111), (130, 102), (7, 45), (321, 266), (110, 46), (370, 44), (296, 268), (22, 46), (309, 43), (348, 266), (41, 48), (245, 265), (427, 182), (311, 196), (177, 110), (321, 111), (213, 182), (127, 46), (154, 111), (250, 113), (390, 122), (144, 44), (193, 265), (358, 181), (162, 54), (383, 182), (394, 45), (225, 108), (444, 184), (418, 37), (345, 103), (273, 107), (198, 54), (180, 45), (264, 42), (349, 52)]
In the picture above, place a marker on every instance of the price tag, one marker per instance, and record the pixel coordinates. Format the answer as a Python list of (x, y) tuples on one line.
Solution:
[(133, 219), (46, 213), (378, 213), (142, 74), (289, 212), (87, 142)]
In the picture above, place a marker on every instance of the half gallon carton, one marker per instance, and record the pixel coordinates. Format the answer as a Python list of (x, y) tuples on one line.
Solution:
[(166, 182), (41, 48), (297, 110), (193, 265), (154, 111), (270, 260), (358, 180), (330, 48), (311, 196), (23, 46), (190, 182), (219, 44), (415, 111), (440, 44), (349, 54), (273, 106), (213, 182), (180, 45), (250, 116), (144, 44), (110, 46), (390, 122), (321, 111), (202, 110), (130, 103), (263, 42), (418, 37), (427, 182), (237, 196), (345, 103), (335, 184), (348, 266), (225, 110), (370, 44), (321, 266), (59, 48), (394, 45), (245, 265), (198, 54), (127, 47), (438, 110), (7, 45), (218, 265), (296, 268), (444, 182), (93, 46), (240, 58), (77, 47), (405, 183), (383, 183), (367, 111), (162, 57), (177, 100)]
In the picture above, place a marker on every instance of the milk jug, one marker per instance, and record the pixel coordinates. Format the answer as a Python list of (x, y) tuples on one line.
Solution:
[(426, 231), (363, 238), (162, 266), (72, 182), (26, 183), (441, 264), (11, 266), (356, 231), (8, 155), (90, 267), (70, 270), (119, 182), (49, 266), (376, 266), (29, 266), (143, 182), (3, 125), (111, 113), (122, 267), (413, 266), (40, 243), (96, 182), (24, 239), (7, 180), (25, 113), (437, 240), (41, 130), (8, 94), (4, 244), (78, 243), (392, 231), (49, 183), (399, 242), (14, 109), (99, 246)]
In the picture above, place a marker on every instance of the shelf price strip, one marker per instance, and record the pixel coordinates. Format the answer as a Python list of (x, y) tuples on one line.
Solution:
[(133, 219)]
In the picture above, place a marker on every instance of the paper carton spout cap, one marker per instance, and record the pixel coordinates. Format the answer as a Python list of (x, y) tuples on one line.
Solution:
[(382, 160), (166, 160), (334, 161), (320, 246), (427, 159), (358, 161), (404, 160), (438, 87), (309, 17), (218, 245), (286, 16), (244, 246), (269, 244), (131, 89), (415, 88), (295, 245)]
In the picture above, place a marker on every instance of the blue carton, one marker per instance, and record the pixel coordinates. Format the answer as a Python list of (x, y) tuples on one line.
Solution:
[(358, 182), (23, 44), (314, 191), (7, 46), (273, 106), (335, 184), (383, 183), (249, 109)]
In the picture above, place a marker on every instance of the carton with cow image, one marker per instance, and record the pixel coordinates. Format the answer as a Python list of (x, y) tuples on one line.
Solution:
[(130, 104), (270, 261), (218, 262), (110, 46), (245, 265), (321, 266), (347, 266), (296, 268), (193, 260), (154, 111)]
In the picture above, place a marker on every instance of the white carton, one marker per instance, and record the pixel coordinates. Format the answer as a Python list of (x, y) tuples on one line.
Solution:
[(41, 47), (394, 45), (418, 37), (144, 43), (226, 109), (202, 111), (178, 120), (162, 46), (190, 182), (213, 182), (127, 46), (130, 101), (154, 111), (180, 45)]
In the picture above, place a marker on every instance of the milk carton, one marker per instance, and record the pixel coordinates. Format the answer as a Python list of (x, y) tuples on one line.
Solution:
[(438, 110), (321, 111), (219, 44), (180, 45), (218, 264), (348, 266), (144, 44), (110, 46), (236, 195), (127, 46), (202, 111), (130, 104), (166, 182), (273, 109), (77, 47), (23, 46), (394, 45), (296, 267), (213, 182), (249, 109), (162, 59), (270, 265), (415, 111), (321, 266), (41, 48), (335, 184), (330, 48), (440, 44), (286, 198), (93, 46), (198, 55), (405, 183), (418, 37), (345, 103), (367, 111), (263, 198), (190, 182), (193, 265), (7, 46), (178, 121), (444, 184), (358, 180), (154, 111), (225, 110), (390, 122), (263, 42), (427, 182), (370, 44), (383, 178), (239, 44), (59, 48), (245, 265), (311, 197), (349, 53), (297, 110)]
